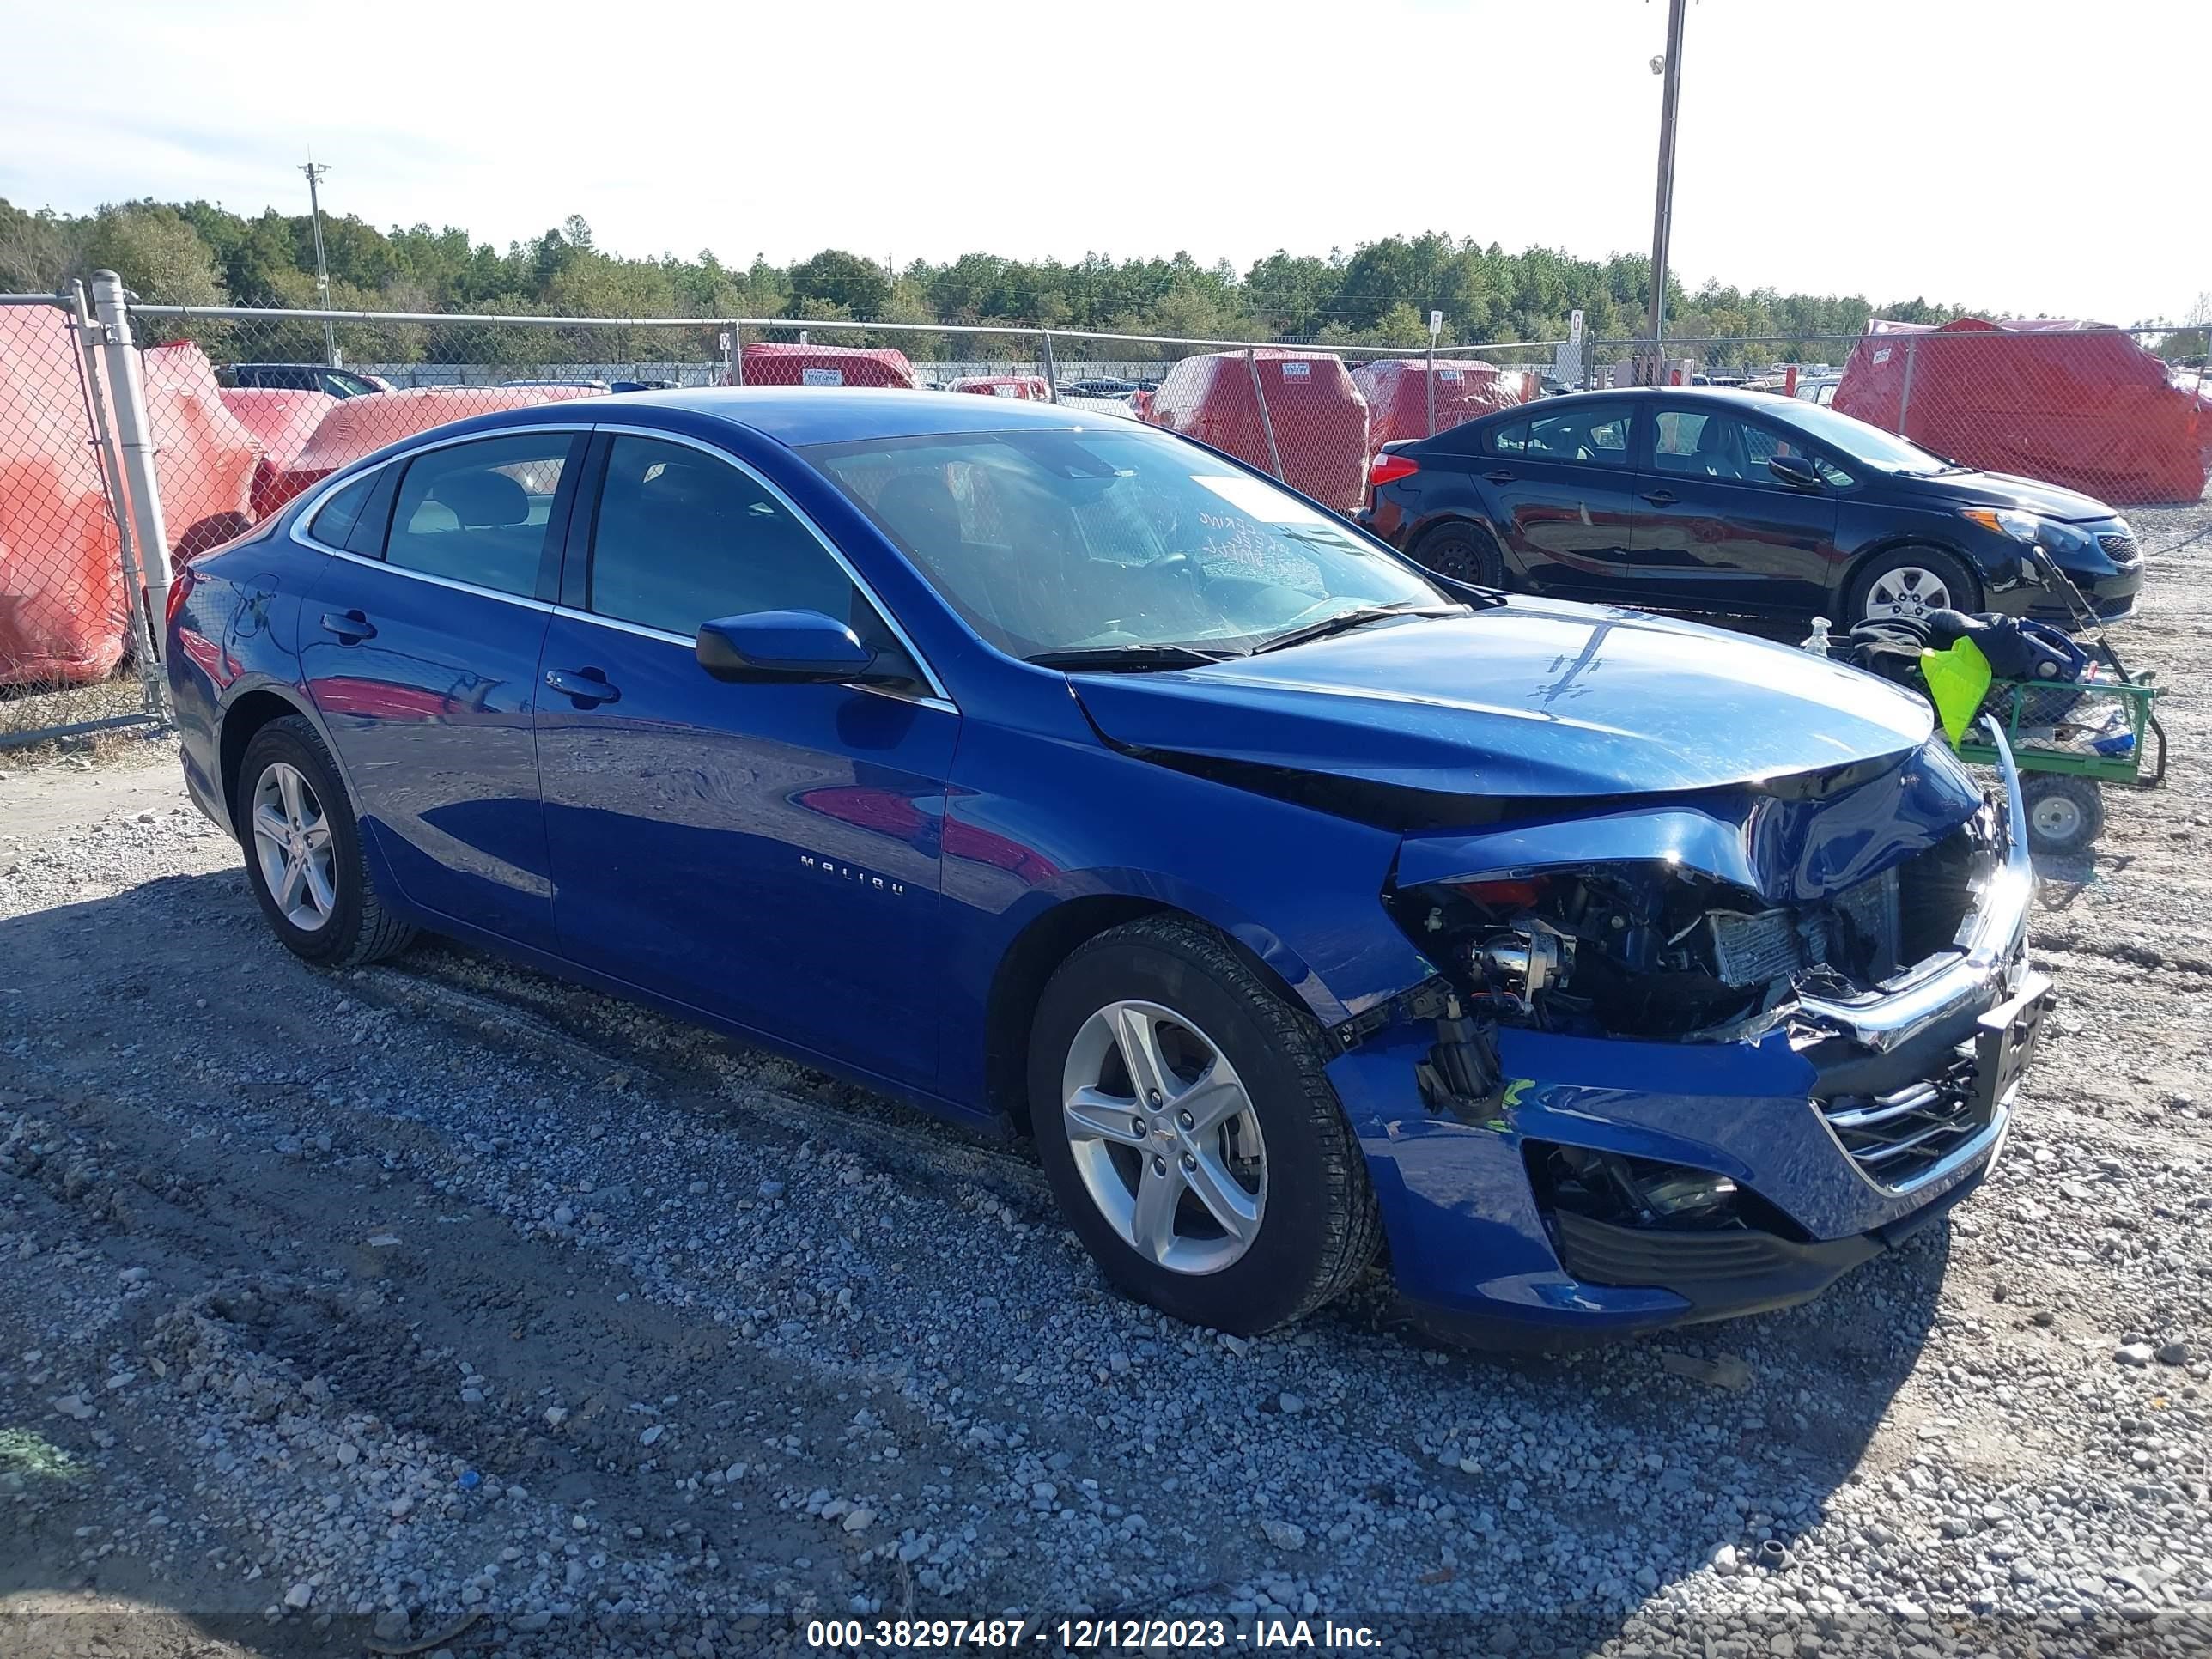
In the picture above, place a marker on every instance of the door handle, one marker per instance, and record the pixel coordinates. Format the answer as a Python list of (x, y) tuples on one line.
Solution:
[(584, 686), (1500, 477), (1660, 497), (350, 626)]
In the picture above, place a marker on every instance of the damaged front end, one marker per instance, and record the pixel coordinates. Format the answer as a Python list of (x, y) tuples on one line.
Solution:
[(1710, 921), (1706, 1052)]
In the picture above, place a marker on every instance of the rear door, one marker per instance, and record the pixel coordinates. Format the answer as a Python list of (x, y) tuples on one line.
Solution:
[(420, 645), (1717, 531), (767, 853), (1559, 486)]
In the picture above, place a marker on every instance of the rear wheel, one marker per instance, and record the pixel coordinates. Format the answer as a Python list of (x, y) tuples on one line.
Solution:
[(303, 851), (1906, 583), (1464, 552), (2064, 814), (1183, 1119)]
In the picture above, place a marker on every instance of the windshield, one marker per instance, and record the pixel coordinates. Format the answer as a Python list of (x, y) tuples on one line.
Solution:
[(1114, 541), (1861, 442)]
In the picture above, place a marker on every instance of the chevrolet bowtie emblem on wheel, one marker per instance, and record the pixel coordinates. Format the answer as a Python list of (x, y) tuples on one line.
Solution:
[(853, 873)]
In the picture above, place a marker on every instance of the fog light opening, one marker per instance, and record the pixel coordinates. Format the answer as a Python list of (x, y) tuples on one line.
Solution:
[(1634, 1192)]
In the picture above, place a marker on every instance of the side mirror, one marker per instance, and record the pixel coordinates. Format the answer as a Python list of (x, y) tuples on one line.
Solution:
[(1796, 471), (784, 645)]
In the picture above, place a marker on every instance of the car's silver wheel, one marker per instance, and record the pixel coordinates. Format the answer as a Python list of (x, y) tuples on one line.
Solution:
[(1911, 590), (292, 840), (1164, 1137)]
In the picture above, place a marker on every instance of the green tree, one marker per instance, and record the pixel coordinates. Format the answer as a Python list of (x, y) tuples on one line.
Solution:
[(854, 286), (157, 252)]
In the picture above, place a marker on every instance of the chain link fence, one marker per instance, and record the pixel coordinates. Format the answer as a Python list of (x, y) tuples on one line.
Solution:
[(132, 438), (76, 653), (2123, 414)]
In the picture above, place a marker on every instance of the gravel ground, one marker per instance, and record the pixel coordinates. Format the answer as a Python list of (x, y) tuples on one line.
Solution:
[(338, 1311)]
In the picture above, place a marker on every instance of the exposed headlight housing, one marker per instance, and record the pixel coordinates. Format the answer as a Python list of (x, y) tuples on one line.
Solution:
[(2025, 527)]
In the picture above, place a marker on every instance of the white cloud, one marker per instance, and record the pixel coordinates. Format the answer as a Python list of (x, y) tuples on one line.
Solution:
[(2051, 164)]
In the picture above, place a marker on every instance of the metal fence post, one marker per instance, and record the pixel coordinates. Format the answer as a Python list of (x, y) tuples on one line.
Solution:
[(1905, 395), (1431, 378), (146, 647), (1266, 421), (126, 391), (734, 352), (1051, 372)]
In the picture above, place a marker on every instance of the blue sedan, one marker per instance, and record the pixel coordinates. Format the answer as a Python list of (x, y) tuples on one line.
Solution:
[(1304, 908)]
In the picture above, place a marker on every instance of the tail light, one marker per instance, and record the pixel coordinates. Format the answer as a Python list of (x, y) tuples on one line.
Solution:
[(1390, 466), (181, 583)]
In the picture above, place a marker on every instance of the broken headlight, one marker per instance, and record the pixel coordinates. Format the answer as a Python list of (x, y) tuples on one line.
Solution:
[(1644, 949)]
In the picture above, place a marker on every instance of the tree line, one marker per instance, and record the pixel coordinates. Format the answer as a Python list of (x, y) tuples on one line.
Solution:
[(1379, 294)]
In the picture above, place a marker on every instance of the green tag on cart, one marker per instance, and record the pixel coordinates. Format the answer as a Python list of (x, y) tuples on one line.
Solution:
[(1957, 680)]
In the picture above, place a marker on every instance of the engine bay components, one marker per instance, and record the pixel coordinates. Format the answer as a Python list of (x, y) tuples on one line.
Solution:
[(1648, 948)]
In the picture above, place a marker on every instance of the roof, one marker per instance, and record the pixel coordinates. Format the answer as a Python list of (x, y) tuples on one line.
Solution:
[(1733, 397), (817, 415)]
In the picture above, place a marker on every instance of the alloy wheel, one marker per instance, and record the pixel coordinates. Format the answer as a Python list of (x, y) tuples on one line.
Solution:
[(1910, 590), (1164, 1137), (292, 841)]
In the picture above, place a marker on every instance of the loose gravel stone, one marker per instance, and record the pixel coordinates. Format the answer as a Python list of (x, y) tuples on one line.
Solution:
[(254, 1364)]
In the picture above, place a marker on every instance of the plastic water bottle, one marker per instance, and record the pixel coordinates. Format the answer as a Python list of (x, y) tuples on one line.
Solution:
[(1817, 641)]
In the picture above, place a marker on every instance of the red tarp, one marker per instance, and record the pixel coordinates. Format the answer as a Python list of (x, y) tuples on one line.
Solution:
[(1320, 420), (1397, 393), (361, 426), (63, 612), (282, 422), (2086, 408), (204, 458), (767, 364), (1034, 387)]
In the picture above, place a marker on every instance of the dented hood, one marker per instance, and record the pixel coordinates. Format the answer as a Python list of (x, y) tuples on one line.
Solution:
[(1527, 700)]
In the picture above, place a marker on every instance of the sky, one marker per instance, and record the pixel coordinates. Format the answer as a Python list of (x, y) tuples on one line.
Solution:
[(2032, 157)]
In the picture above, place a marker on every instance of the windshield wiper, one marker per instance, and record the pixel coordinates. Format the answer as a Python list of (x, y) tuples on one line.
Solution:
[(1360, 617), (1129, 658)]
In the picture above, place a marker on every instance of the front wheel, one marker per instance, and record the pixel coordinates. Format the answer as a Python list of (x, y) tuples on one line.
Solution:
[(1906, 584), (1183, 1119)]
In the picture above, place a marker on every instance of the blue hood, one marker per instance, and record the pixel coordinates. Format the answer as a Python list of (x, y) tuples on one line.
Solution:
[(1527, 701)]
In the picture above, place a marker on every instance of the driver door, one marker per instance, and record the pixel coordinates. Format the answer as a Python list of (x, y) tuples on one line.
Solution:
[(1717, 531), (765, 852)]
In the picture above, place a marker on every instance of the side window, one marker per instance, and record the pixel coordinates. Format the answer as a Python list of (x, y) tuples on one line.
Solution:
[(478, 511), (335, 518), (1761, 445), (1510, 439), (1700, 443), (1586, 434), (683, 538)]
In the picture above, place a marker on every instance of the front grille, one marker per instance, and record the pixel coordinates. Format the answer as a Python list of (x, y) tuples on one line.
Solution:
[(1898, 1137), (2120, 548)]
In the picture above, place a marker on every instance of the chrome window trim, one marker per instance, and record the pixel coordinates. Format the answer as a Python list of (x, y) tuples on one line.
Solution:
[(527, 601), (570, 613), (343, 478), (938, 693)]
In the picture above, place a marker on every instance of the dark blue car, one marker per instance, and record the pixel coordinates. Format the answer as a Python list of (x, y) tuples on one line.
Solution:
[(1058, 773), (1741, 504)]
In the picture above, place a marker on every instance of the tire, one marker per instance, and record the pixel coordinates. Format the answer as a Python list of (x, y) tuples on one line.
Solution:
[(1313, 1225), (332, 916), (1910, 582), (2065, 814), (1465, 552)]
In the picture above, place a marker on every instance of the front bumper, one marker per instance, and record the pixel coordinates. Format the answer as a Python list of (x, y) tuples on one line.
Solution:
[(1476, 1252)]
